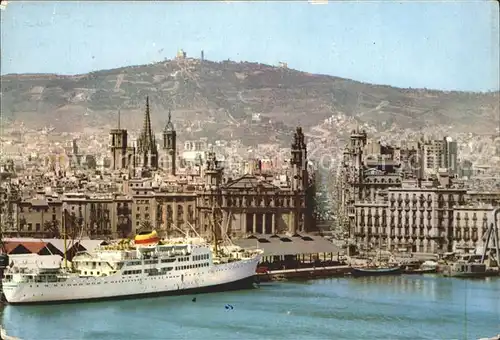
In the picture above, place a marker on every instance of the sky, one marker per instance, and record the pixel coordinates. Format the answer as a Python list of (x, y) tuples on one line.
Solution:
[(452, 45)]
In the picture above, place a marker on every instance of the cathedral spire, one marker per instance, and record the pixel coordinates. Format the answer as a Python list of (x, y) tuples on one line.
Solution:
[(146, 130), (146, 144), (169, 127)]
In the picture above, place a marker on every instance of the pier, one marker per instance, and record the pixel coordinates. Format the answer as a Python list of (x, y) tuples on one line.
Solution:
[(497, 337), (304, 273), (4, 336)]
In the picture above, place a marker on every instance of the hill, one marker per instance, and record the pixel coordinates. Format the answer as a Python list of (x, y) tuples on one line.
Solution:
[(220, 98)]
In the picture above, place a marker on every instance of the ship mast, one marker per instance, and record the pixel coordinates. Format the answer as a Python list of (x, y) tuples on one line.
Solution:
[(65, 240), (2, 207), (214, 230)]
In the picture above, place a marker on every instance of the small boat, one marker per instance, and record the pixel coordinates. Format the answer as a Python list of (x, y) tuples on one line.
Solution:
[(429, 265), (3, 335), (493, 338), (420, 271), (469, 270), (417, 268), (376, 271)]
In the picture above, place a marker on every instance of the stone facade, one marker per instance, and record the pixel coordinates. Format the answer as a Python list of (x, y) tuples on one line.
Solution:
[(402, 196), (471, 226), (77, 215), (176, 205), (418, 217)]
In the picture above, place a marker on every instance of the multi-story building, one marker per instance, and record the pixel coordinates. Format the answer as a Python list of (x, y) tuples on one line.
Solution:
[(370, 167), (484, 197), (418, 217), (40, 217), (75, 215), (440, 154), (471, 225), (101, 215)]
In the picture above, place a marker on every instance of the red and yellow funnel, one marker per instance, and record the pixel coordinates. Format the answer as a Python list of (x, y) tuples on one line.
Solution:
[(147, 238)]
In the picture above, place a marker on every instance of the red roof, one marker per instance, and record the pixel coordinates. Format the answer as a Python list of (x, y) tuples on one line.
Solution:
[(33, 247), (10, 246)]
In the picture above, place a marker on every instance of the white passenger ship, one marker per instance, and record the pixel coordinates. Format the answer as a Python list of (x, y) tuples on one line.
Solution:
[(142, 270)]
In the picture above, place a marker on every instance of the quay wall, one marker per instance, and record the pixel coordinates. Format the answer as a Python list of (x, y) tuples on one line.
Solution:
[(303, 273)]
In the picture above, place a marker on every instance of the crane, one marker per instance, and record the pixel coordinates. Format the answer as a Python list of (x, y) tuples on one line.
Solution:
[(492, 234)]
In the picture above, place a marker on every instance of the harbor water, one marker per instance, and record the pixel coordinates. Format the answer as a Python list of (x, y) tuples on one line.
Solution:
[(399, 307)]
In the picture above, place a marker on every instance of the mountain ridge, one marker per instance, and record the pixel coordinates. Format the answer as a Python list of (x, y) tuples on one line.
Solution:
[(230, 94)]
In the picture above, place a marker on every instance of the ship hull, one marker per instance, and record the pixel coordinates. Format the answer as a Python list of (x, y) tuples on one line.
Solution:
[(477, 275), (223, 277), (246, 283), (420, 271), (360, 272)]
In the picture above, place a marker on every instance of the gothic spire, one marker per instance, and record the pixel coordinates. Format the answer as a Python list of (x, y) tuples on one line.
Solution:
[(146, 129), (169, 127)]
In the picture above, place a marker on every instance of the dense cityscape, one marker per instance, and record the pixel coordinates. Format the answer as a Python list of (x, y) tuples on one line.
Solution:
[(62, 194), (147, 191), (114, 186)]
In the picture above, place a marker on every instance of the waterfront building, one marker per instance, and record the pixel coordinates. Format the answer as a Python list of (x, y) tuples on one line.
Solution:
[(419, 218), (407, 197), (471, 226)]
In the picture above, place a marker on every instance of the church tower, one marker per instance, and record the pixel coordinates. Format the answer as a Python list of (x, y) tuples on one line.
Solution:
[(146, 144), (298, 162), (213, 172), (357, 142), (169, 146), (118, 147)]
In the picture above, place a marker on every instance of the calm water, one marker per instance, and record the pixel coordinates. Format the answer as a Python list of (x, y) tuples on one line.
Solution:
[(406, 307)]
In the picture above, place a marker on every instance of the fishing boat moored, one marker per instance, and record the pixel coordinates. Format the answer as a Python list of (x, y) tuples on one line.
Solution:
[(376, 271), (419, 268)]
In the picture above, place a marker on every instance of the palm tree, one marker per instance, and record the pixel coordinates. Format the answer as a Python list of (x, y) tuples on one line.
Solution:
[(73, 226), (92, 226), (22, 223), (124, 226), (51, 228), (145, 225)]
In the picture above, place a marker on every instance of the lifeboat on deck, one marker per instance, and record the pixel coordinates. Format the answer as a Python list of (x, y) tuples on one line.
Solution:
[(146, 238)]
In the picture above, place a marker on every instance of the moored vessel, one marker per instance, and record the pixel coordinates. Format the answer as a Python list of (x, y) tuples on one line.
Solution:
[(427, 267), (464, 267), (474, 265), (376, 271), (129, 270)]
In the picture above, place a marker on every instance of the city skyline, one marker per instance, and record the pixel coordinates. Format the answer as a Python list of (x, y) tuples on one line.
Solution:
[(389, 46)]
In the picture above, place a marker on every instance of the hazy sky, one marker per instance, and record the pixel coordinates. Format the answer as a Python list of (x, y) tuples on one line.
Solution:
[(442, 45)]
